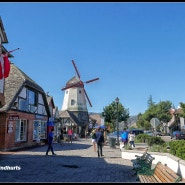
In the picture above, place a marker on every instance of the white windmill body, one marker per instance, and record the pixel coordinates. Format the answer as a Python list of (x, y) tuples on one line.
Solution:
[(75, 102), (74, 98)]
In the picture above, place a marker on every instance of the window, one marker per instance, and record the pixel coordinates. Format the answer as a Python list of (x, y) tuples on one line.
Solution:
[(23, 93), (40, 99), (32, 97), (23, 104), (43, 130), (32, 100), (39, 129), (41, 110), (72, 102), (21, 130)]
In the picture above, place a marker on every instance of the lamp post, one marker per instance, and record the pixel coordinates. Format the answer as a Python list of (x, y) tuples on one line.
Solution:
[(117, 101)]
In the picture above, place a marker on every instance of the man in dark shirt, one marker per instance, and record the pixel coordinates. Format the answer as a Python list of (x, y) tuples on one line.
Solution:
[(99, 141)]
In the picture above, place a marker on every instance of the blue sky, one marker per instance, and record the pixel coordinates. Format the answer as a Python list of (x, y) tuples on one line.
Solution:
[(136, 49)]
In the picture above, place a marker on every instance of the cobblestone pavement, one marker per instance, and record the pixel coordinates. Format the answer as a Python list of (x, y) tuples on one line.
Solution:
[(76, 162)]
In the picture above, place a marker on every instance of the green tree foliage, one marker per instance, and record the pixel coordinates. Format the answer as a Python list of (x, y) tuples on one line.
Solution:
[(160, 111), (110, 113), (182, 114), (150, 101), (177, 148), (142, 123)]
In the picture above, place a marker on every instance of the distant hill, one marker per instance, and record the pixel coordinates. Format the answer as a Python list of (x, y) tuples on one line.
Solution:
[(131, 121)]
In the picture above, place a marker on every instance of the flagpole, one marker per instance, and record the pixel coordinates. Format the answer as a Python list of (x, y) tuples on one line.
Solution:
[(13, 50), (10, 51)]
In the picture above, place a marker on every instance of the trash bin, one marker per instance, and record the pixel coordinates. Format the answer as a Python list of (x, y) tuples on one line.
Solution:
[(112, 142)]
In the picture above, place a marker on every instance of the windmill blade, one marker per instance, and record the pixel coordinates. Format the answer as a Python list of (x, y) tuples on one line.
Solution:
[(70, 86), (91, 80), (87, 98), (76, 69)]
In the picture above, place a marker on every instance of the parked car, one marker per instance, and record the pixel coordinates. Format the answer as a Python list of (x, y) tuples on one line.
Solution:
[(136, 131), (150, 133), (178, 135)]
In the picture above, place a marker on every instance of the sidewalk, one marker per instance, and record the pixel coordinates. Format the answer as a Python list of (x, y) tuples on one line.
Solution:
[(76, 162)]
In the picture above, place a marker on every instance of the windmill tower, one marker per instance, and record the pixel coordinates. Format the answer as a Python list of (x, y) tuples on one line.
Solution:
[(75, 99)]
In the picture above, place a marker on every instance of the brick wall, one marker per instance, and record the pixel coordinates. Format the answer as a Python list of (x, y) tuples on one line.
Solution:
[(7, 140)]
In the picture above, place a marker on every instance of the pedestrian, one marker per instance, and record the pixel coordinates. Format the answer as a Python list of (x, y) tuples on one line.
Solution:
[(93, 137), (99, 141), (86, 133), (124, 137), (70, 134), (61, 136), (131, 137), (50, 142)]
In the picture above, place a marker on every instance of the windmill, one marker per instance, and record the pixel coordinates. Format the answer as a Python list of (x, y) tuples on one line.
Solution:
[(76, 98)]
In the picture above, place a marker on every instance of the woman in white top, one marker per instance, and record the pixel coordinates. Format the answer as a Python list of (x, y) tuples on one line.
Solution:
[(131, 137)]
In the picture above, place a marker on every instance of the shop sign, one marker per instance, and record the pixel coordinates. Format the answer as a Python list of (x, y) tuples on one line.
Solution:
[(13, 117)]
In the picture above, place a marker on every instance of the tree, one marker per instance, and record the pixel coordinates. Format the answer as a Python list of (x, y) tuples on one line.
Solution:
[(143, 123), (160, 111), (110, 113), (150, 101), (182, 113)]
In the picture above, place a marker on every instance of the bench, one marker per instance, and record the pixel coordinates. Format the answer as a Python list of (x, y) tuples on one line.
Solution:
[(144, 161), (138, 157), (160, 174)]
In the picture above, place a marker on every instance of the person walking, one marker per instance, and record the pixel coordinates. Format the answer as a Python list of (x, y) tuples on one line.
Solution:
[(131, 137), (124, 137), (99, 141), (70, 134), (50, 142), (61, 136), (93, 137)]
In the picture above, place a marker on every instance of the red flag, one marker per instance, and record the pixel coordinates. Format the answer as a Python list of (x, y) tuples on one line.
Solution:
[(6, 66)]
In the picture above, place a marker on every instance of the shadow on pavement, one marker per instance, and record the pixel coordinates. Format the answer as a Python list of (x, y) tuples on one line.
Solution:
[(74, 162)]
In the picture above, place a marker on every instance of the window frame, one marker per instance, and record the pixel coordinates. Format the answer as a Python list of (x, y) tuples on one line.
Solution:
[(21, 127)]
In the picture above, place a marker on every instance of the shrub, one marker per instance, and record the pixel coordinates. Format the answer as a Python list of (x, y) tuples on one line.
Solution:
[(142, 138), (159, 148), (177, 148), (155, 140), (157, 144)]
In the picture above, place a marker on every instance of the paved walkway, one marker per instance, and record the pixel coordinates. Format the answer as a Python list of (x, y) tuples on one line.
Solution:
[(76, 162)]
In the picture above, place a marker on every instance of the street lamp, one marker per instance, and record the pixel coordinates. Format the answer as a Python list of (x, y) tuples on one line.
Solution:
[(117, 101)]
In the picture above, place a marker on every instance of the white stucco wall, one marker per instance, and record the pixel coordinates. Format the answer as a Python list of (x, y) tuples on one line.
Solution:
[(79, 98)]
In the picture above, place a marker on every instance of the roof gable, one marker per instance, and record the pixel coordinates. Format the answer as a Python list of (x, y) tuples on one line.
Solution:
[(3, 33), (14, 84)]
